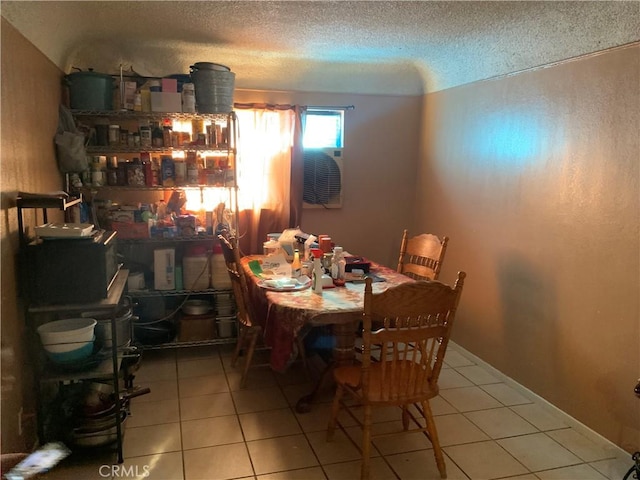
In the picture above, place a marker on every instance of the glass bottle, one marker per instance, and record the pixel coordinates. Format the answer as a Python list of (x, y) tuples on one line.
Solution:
[(145, 135), (166, 134), (157, 138), (296, 266), (338, 267), (316, 274)]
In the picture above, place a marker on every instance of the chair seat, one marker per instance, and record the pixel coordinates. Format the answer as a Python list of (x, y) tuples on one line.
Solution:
[(350, 376)]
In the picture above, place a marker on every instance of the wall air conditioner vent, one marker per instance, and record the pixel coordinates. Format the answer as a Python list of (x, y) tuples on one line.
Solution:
[(323, 169)]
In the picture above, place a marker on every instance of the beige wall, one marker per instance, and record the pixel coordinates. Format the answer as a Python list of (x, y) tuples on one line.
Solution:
[(535, 178), (30, 98), (380, 157)]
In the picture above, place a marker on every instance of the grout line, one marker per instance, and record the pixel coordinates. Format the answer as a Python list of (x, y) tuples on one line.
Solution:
[(545, 404)]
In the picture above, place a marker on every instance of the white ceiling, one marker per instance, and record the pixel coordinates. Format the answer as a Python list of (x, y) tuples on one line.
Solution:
[(395, 47)]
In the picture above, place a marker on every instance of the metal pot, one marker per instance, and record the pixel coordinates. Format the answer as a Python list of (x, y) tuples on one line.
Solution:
[(98, 437), (100, 401), (161, 331), (103, 332), (196, 307), (90, 90)]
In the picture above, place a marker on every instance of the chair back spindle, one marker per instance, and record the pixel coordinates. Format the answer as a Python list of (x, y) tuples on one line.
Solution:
[(421, 257)]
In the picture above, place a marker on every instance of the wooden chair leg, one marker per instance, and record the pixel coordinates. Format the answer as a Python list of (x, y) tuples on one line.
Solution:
[(302, 353), (252, 346), (335, 409), (242, 338), (405, 417), (433, 436), (366, 443)]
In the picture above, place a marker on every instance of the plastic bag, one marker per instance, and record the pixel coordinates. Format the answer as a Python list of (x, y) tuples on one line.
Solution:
[(70, 144)]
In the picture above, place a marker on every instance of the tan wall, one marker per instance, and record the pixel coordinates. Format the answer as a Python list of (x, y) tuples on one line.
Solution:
[(380, 157), (30, 98), (535, 178)]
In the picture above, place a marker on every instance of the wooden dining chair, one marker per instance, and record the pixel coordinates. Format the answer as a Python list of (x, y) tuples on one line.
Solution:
[(249, 332), (416, 320), (421, 256)]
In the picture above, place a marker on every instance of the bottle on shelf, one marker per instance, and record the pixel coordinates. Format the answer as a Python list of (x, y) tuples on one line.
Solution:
[(114, 135), (197, 127), (192, 169), (145, 158), (155, 172), (157, 137), (112, 171), (166, 133), (188, 98), (145, 134), (180, 168), (137, 102)]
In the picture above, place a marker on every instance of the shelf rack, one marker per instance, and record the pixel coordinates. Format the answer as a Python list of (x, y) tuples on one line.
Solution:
[(58, 200)]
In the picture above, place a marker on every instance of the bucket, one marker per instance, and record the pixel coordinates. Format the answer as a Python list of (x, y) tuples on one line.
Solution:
[(214, 86), (90, 91), (123, 319), (195, 272)]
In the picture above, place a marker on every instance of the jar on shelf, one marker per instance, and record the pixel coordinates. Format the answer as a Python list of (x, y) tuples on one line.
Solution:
[(135, 173), (114, 135), (166, 135), (157, 138), (145, 135), (188, 98)]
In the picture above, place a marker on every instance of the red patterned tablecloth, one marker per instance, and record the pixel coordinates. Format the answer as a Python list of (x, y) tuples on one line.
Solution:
[(283, 314)]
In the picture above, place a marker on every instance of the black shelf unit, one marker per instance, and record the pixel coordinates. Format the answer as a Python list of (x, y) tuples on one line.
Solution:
[(108, 369)]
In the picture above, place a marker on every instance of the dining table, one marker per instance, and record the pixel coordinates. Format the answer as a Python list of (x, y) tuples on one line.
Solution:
[(283, 315)]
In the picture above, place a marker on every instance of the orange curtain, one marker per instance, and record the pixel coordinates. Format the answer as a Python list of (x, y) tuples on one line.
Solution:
[(269, 171)]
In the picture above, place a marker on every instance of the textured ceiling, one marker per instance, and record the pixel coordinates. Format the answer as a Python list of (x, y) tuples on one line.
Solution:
[(401, 48)]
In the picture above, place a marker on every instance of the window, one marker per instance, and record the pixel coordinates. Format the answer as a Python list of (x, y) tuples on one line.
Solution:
[(323, 128)]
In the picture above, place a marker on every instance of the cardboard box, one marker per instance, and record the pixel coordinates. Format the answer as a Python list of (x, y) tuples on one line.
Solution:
[(131, 230), (164, 275), (169, 85), (166, 102), (123, 216), (129, 94), (197, 328)]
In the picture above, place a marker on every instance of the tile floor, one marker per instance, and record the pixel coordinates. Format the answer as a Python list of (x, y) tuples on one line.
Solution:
[(196, 424)]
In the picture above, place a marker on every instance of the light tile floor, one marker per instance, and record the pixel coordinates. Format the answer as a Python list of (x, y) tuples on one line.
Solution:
[(197, 424)]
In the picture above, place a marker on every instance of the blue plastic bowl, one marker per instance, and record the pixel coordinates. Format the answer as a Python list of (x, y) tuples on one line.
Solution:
[(72, 355)]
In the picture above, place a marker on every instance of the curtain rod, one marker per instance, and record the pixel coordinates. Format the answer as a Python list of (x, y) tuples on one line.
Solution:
[(279, 106), (332, 107)]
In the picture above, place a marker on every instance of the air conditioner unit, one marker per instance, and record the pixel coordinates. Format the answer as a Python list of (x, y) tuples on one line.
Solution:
[(323, 174)]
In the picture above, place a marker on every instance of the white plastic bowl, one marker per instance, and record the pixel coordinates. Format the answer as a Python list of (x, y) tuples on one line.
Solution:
[(67, 334)]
